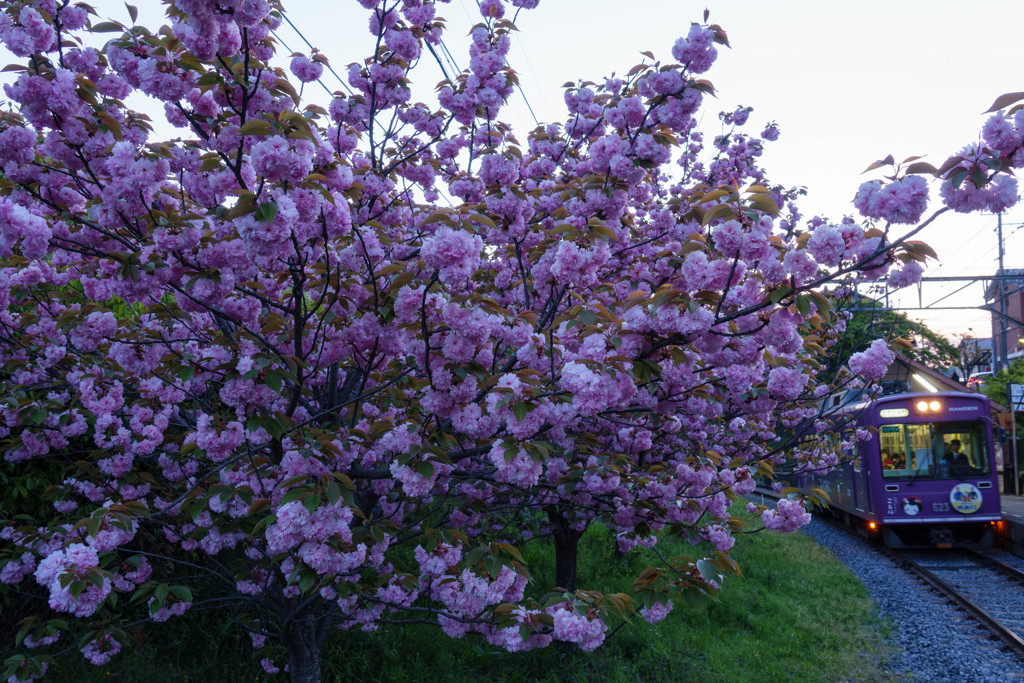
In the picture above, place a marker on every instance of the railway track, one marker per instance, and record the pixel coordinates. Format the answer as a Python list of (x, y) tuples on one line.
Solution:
[(986, 589)]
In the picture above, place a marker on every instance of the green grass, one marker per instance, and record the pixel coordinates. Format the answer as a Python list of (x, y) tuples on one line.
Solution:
[(794, 614)]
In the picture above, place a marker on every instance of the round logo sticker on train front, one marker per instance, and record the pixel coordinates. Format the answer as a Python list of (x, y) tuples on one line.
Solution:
[(965, 498), (911, 505)]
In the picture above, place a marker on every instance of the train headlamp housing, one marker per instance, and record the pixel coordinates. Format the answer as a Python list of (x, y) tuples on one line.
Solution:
[(928, 406)]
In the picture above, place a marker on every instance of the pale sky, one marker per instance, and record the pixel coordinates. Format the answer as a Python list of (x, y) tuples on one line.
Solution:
[(846, 82)]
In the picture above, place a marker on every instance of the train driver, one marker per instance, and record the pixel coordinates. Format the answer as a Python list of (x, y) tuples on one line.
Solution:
[(956, 457)]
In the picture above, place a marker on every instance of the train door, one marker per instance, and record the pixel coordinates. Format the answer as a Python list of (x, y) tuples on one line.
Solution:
[(861, 466)]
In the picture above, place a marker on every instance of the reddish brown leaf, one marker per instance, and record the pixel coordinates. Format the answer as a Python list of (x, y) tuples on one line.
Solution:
[(922, 167), (1004, 101), (887, 161), (949, 164)]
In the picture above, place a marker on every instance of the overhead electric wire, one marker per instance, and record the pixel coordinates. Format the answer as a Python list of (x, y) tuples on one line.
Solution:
[(519, 86), (450, 57), (440, 64), (310, 45), (281, 40), (340, 80), (959, 289)]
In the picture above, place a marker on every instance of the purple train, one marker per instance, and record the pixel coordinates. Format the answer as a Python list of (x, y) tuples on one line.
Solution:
[(926, 477)]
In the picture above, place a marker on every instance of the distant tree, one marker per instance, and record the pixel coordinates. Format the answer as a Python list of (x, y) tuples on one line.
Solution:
[(973, 356), (995, 387), (870, 319)]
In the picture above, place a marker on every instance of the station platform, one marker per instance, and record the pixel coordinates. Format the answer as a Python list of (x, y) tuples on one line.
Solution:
[(1010, 533)]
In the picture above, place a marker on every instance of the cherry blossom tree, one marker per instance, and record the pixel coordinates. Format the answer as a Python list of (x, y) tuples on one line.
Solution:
[(340, 361)]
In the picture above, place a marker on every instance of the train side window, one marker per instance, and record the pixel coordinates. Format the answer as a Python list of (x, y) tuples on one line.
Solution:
[(892, 443)]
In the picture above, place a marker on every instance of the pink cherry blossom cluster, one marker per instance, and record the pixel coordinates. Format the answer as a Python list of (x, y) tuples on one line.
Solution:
[(902, 201), (872, 363), (74, 563), (585, 629), (269, 349), (788, 515)]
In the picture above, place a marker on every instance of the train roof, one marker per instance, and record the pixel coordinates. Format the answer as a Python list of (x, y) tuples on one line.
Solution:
[(857, 400)]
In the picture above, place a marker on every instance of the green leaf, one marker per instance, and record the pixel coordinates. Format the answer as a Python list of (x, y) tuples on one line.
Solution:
[(780, 293), (718, 211), (438, 217), (275, 428), (587, 317), (182, 593), (292, 494), (142, 592), (803, 305), (425, 469), (475, 555), (958, 178), (95, 577), (312, 502), (520, 410), (273, 382), (256, 127), (993, 163), (333, 492), (185, 372), (93, 527), (108, 27), (266, 211)]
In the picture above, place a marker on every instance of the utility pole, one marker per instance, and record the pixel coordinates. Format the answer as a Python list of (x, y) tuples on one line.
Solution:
[(1003, 359)]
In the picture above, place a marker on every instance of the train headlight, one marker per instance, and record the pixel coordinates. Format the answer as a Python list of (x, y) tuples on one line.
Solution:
[(925, 406)]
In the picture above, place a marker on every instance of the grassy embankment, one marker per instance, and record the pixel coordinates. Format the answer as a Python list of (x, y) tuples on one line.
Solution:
[(795, 614)]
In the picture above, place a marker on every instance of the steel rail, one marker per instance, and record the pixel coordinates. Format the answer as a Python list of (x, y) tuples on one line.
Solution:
[(998, 565), (1009, 637)]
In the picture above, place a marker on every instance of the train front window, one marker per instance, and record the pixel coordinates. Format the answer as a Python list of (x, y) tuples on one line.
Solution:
[(938, 450)]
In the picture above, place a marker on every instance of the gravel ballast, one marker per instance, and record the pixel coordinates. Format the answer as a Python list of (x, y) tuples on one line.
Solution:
[(937, 641)]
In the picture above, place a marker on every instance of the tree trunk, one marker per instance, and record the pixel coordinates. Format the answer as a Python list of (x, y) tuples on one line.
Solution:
[(303, 639), (566, 544)]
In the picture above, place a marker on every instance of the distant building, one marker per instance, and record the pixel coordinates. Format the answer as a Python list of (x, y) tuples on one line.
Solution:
[(1005, 298), (906, 374)]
